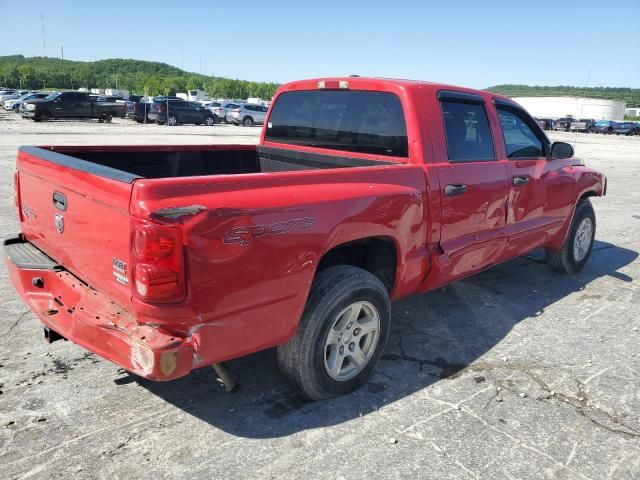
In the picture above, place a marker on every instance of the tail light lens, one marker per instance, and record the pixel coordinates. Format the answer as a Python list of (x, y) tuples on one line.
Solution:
[(159, 270), (235, 110), (161, 107)]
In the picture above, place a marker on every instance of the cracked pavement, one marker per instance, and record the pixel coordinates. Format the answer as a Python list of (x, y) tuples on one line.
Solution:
[(516, 373)]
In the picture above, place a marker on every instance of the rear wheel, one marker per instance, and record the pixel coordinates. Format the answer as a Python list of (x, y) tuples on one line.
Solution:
[(341, 335), (41, 117), (172, 120), (247, 121), (577, 247)]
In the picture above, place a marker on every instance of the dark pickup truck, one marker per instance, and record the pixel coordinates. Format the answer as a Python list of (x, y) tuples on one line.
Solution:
[(72, 105)]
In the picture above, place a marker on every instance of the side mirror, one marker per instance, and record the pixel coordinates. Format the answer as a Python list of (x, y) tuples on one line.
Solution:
[(561, 150)]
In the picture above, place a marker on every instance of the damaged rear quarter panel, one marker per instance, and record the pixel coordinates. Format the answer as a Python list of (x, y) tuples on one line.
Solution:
[(253, 246)]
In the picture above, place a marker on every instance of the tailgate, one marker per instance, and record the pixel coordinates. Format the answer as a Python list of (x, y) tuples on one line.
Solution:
[(77, 213)]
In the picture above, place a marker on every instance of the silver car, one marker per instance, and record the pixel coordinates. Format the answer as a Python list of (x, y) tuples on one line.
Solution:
[(13, 103), (221, 110), (247, 114), (12, 95)]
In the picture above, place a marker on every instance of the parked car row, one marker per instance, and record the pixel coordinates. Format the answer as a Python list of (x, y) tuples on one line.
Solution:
[(171, 110), (14, 103), (176, 111), (590, 125)]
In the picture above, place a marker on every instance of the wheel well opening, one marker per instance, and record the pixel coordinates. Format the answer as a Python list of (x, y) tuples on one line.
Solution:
[(588, 194), (376, 255)]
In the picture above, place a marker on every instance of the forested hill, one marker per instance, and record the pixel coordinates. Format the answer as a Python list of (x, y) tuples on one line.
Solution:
[(137, 76), (155, 78), (629, 95)]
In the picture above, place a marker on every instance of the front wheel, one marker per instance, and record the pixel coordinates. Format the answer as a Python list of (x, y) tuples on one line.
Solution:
[(210, 121), (577, 247), (341, 335)]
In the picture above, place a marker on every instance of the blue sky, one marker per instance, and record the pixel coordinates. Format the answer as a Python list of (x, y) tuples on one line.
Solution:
[(471, 43)]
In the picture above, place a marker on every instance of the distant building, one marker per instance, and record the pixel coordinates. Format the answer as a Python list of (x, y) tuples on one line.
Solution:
[(632, 112), (558, 107)]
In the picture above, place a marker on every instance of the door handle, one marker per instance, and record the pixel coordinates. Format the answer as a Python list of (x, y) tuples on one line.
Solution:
[(455, 189), (519, 181), (60, 201)]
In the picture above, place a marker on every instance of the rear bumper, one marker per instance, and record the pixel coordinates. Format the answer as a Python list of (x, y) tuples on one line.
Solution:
[(81, 314)]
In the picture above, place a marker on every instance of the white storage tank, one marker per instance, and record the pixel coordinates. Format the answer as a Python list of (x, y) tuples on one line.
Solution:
[(578, 107)]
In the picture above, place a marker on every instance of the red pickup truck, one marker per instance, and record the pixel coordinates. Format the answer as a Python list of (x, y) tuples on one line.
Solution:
[(164, 259)]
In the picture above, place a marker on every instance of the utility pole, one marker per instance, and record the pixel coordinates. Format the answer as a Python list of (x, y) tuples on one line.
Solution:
[(62, 51), (44, 43)]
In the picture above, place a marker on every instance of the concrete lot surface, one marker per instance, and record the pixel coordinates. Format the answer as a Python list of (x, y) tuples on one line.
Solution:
[(517, 373)]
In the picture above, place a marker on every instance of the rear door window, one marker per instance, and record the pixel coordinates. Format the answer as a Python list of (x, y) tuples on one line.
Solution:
[(355, 121), (468, 132)]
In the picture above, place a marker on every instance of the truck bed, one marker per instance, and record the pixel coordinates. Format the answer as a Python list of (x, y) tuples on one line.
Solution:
[(186, 161), (223, 205)]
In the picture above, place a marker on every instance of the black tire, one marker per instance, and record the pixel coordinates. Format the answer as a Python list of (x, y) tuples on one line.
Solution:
[(564, 260), (302, 359), (210, 121), (247, 122), (138, 120), (172, 120)]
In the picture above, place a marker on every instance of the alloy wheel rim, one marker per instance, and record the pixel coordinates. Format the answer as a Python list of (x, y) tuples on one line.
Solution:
[(351, 341), (582, 240)]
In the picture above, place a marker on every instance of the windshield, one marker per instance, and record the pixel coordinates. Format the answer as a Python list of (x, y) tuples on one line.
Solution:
[(52, 96), (356, 121), (602, 123)]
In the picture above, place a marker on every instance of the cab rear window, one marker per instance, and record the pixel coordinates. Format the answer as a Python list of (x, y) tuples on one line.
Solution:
[(354, 121)]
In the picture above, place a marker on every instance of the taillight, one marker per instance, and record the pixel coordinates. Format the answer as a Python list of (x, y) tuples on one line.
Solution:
[(159, 270), (162, 107), (235, 110)]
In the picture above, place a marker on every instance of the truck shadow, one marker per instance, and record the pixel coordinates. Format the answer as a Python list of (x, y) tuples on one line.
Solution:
[(435, 337)]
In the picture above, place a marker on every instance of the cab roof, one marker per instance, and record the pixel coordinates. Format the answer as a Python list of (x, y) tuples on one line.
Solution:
[(383, 84)]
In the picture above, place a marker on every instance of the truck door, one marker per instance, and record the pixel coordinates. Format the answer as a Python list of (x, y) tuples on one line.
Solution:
[(83, 105), (473, 182), (540, 190), (64, 106)]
